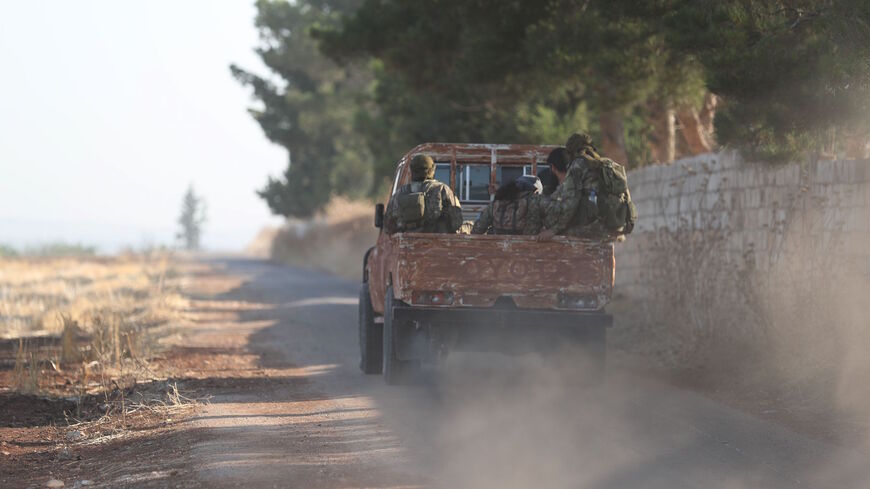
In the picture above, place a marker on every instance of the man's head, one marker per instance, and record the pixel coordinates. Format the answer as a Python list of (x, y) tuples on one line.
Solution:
[(529, 183), (422, 168), (577, 143), (515, 188), (558, 160), (549, 181)]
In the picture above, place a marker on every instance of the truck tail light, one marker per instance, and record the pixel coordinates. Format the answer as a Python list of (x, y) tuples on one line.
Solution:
[(578, 301), (432, 298)]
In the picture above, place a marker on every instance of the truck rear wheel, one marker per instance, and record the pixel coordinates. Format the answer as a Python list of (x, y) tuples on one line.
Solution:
[(371, 341), (395, 371)]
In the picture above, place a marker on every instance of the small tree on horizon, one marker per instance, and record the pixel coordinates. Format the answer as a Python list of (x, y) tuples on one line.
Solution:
[(191, 219)]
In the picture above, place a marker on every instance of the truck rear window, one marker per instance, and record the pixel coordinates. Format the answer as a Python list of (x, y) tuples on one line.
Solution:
[(442, 173), (506, 173), (472, 182)]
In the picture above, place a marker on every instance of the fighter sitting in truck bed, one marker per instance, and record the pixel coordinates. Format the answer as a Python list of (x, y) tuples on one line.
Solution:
[(425, 294)]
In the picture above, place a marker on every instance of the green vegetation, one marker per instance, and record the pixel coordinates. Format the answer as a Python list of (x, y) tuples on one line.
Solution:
[(312, 108), (7, 251), (61, 249), (354, 84), (191, 220), (56, 249), (792, 73)]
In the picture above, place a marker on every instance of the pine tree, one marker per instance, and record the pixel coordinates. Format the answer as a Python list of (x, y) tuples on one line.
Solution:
[(191, 220), (311, 111)]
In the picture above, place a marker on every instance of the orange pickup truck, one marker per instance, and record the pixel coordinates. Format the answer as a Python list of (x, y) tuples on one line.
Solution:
[(423, 295)]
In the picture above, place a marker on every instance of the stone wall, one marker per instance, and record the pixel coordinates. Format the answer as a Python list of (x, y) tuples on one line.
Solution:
[(757, 205)]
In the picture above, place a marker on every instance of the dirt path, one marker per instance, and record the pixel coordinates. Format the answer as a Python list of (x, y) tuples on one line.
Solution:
[(302, 415)]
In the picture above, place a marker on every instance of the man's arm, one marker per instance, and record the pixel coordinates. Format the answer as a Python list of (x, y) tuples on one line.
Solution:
[(483, 222), (452, 209), (559, 209), (563, 203), (535, 214)]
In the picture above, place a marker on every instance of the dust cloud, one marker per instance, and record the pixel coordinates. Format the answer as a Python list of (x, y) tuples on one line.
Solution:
[(815, 320), (486, 421), (526, 422), (521, 422)]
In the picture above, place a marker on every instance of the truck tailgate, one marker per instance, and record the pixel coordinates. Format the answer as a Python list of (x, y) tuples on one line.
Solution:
[(565, 273)]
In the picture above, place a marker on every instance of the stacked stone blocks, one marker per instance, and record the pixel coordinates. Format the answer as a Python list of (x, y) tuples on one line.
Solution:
[(756, 204)]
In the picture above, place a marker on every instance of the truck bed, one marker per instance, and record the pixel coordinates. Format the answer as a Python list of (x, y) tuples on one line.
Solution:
[(512, 271)]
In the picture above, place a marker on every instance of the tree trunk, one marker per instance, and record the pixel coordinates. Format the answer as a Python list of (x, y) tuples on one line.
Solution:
[(707, 114), (693, 130), (613, 136), (662, 141)]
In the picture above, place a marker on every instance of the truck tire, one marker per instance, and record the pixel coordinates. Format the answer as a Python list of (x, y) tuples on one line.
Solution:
[(395, 371), (371, 341)]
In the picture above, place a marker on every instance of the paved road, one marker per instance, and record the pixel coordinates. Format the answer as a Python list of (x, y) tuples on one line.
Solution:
[(477, 422)]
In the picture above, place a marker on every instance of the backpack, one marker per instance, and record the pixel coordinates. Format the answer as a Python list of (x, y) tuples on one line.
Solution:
[(509, 216), (616, 211), (411, 205)]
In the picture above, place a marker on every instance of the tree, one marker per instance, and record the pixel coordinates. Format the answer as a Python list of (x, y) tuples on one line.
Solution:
[(472, 71), (789, 71), (193, 216), (437, 77), (310, 110), (356, 83)]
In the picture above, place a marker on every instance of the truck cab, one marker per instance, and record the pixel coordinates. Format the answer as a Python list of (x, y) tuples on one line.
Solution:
[(424, 295)]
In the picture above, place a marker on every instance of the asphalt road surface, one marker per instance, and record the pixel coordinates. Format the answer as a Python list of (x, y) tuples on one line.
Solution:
[(478, 421)]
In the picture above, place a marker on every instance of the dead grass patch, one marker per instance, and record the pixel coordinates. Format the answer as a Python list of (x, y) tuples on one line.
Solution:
[(334, 241), (80, 334)]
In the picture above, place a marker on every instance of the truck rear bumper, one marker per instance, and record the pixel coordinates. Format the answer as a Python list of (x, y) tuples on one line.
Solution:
[(425, 331)]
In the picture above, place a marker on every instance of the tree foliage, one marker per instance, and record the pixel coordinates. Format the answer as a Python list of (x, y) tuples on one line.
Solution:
[(790, 71), (191, 219), (308, 105), (356, 83)]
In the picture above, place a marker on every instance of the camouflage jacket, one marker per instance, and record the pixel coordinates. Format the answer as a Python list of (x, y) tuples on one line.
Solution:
[(442, 211), (527, 216), (571, 209)]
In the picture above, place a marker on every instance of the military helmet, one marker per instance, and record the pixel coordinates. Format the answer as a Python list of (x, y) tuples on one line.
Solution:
[(577, 143), (422, 167)]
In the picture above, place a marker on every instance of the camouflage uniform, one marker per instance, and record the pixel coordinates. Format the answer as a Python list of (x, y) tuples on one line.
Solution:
[(532, 221), (442, 212), (571, 209), (549, 181), (535, 214)]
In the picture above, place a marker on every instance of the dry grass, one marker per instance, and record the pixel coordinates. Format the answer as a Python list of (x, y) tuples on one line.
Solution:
[(334, 241), (131, 405), (25, 375), (87, 328), (38, 295)]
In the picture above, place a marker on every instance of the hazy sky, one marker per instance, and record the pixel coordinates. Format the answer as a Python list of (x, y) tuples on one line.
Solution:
[(109, 109)]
